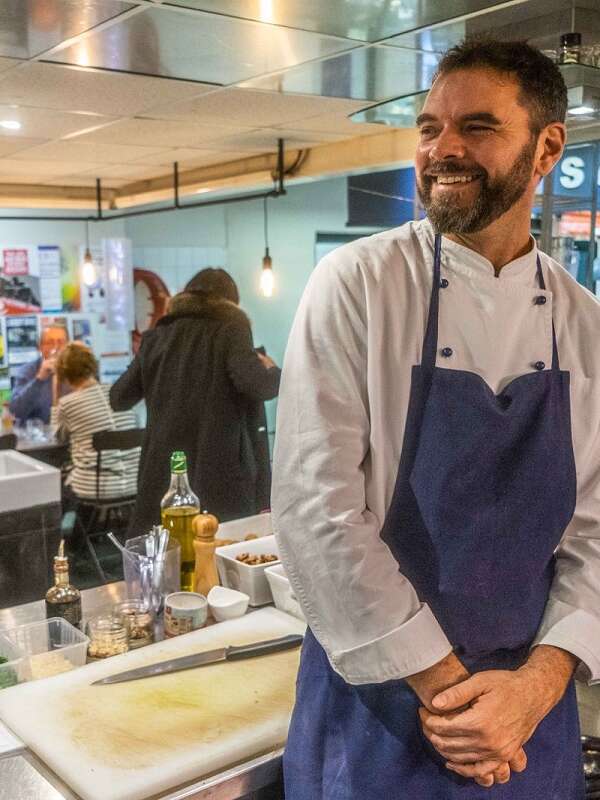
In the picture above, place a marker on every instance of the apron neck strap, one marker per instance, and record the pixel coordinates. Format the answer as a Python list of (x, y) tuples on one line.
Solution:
[(428, 357)]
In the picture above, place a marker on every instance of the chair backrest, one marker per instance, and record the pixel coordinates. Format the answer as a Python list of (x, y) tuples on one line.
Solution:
[(114, 440), (8, 441)]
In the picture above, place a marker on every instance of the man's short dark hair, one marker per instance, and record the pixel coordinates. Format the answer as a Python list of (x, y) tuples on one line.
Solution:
[(543, 91)]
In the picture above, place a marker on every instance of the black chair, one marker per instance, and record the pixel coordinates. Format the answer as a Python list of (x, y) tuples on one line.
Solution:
[(99, 511), (8, 441)]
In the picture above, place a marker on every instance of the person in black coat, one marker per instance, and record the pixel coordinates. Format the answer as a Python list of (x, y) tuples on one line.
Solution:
[(201, 379)]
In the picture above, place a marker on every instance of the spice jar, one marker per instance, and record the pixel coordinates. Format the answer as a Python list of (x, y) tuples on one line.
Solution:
[(108, 637), (138, 620)]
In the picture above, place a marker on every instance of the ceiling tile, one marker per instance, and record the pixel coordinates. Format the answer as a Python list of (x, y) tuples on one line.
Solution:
[(371, 73), (8, 63), (9, 145), (125, 171), (25, 172), (53, 124), (210, 48), (368, 21), (534, 20), (30, 28), (67, 89), (189, 157), (75, 150), (87, 182), (264, 140), (332, 123), (252, 108), (160, 133)]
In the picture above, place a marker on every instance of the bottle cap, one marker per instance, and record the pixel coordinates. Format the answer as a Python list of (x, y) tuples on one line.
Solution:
[(61, 561), (178, 461), (570, 40)]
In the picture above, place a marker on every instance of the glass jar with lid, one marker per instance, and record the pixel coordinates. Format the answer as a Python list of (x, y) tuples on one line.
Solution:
[(108, 637), (138, 620)]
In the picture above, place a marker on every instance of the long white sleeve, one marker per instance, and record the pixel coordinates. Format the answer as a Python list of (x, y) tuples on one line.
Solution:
[(365, 614)]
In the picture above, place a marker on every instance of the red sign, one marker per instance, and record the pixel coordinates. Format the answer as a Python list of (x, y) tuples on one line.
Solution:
[(16, 262)]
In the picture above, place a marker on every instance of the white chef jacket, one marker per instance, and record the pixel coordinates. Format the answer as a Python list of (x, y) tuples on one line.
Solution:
[(342, 408)]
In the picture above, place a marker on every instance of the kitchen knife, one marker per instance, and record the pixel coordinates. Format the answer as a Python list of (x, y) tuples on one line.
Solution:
[(232, 653)]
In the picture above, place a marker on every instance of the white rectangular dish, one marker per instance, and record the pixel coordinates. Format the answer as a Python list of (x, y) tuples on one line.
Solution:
[(259, 525), (250, 580), (281, 589)]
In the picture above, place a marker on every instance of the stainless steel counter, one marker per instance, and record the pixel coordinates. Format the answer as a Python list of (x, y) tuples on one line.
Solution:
[(24, 777)]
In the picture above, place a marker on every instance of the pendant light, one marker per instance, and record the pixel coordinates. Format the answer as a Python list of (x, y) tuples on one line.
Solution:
[(267, 281), (88, 271)]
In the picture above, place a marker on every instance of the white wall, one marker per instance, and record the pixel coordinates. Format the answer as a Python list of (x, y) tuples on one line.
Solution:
[(63, 234)]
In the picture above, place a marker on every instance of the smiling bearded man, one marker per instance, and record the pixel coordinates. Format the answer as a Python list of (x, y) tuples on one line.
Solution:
[(436, 492)]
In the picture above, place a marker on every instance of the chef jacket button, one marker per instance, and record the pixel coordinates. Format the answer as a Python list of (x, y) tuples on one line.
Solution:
[(540, 300), (539, 365), (444, 283), (447, 352)]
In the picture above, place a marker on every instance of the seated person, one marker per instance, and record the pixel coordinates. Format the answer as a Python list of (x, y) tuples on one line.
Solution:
[(81, 413), (32, 391)]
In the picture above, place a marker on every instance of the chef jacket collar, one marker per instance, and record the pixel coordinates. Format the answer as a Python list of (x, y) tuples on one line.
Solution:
[(462, 259)]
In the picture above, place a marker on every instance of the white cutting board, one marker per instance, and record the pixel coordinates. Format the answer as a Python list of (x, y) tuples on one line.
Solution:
[(128, 741)]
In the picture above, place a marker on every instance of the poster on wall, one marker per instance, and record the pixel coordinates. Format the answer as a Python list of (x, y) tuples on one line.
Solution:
[(21, 339), (81, 330), (19, 279), (50, 278)]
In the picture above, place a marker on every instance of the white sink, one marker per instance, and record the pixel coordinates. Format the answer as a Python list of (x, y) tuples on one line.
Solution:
[(26, 482)]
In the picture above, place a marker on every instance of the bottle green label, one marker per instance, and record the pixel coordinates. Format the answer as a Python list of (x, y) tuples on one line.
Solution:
[(178, 461)]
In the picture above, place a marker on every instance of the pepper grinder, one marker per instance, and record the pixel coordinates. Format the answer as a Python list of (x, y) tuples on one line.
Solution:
[(205, 572)]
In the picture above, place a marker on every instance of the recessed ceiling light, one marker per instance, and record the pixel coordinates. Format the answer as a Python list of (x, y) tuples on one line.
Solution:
[(10, 124), (581, 110)]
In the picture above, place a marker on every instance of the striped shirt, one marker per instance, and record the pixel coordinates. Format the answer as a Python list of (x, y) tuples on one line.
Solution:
[(79, 415)]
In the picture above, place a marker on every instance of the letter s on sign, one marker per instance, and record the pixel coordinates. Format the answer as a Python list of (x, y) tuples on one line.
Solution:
[(573, 175)]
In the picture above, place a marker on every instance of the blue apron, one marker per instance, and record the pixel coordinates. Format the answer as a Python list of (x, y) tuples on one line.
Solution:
[(486, 487)]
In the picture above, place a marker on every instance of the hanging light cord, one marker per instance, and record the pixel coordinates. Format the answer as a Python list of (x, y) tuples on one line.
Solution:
[(87, 235), (266, 221)]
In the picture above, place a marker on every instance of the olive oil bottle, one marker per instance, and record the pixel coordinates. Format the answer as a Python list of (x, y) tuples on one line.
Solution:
[(62, 599), (178, 509)]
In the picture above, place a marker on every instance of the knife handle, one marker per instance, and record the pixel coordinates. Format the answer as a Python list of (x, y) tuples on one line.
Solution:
[(263, 648)]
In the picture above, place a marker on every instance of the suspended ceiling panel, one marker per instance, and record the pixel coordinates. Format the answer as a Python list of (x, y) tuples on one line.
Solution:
[(16, 171), (8, 63), (159, 132), (190, 157), (252, 108), (370, 74), (539, 21), (37, 122), (67, 89), (9, 145), (30, 27), (363, 20), (89, 152), (195, 46)]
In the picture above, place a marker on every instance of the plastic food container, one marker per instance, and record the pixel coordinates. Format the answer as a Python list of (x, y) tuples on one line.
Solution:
[(9, 668), (250, 580), (281, 589), (260, 525), (44, 648)]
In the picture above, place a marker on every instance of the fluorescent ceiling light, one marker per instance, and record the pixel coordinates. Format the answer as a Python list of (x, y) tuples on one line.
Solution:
[(10, 124), (580, 110)]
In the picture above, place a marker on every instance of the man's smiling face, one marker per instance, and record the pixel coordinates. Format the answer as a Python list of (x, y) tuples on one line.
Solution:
[(477, 152)]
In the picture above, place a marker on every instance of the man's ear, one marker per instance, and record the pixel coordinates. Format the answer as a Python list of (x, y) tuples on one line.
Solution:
[(551, 144)]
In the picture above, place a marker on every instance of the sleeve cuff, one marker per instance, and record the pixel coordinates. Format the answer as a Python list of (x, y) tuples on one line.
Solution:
[(576, 631), (412, 647)]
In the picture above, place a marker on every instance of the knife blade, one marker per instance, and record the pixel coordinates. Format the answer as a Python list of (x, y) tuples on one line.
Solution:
[(231, 653)]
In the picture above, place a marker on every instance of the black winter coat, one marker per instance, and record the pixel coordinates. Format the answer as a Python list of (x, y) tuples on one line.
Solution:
[(201, 379)]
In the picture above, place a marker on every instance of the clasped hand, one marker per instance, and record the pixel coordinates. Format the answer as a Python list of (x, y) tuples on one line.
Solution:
[(483, 723)]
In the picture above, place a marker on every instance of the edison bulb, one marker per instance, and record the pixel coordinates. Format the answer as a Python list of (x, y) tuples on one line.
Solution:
[(88, 273), (267, 282)]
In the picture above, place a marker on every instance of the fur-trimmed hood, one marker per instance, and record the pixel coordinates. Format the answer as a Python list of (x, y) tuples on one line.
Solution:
[(192, 304)]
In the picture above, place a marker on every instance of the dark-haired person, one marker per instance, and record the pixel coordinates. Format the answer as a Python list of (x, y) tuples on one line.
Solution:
[(436, 480), (200, 376), (81, 413), (32, 391)]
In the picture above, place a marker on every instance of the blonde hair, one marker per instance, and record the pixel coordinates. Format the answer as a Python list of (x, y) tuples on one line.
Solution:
[(76, 363)]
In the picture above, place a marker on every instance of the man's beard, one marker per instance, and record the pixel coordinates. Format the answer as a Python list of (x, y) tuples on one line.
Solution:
[(495, 197)]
